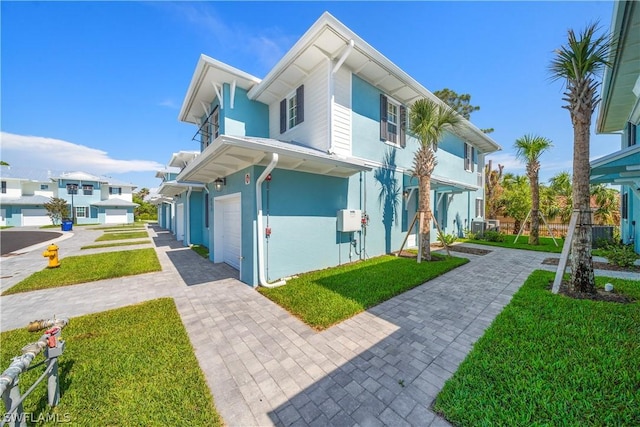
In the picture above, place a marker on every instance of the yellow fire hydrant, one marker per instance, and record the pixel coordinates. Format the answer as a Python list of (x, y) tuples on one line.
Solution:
[(52, 254)]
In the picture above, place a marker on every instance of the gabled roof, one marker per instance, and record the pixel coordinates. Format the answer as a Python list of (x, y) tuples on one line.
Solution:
[(81, 176), (330, 38), (26, 174), (621, 82), (209, 75)]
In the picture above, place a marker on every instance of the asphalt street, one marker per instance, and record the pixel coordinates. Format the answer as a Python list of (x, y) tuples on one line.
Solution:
[(13, 240)]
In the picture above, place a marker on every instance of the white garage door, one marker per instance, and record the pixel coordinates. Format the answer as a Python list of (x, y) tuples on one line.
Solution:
[(115, 216), (3, 217), (231, 232), (35, 217), (180, 222)]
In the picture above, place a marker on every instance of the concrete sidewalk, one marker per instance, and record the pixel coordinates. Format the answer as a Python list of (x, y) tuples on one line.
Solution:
[(264, 367)]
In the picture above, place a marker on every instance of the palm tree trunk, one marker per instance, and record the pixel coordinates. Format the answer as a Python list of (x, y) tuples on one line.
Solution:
[(424, 206), (582, 276), (535, 210)]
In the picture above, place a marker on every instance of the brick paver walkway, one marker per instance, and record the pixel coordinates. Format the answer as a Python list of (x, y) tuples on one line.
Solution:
[(265, 367)]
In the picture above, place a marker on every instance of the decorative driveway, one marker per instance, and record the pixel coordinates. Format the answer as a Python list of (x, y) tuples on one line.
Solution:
[(264, 367)]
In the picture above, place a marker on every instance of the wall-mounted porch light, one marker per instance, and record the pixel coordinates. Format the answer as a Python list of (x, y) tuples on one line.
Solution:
[(219, 184)]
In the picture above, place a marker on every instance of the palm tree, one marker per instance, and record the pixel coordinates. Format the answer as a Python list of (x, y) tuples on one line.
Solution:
[(529, 148), (429, 121), (607, 204), (578, 64)]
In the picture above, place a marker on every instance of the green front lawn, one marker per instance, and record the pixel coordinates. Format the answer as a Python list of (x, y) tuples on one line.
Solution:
[(552, 360), (89, 268), (201, 250), (133, 366), (111, 245), (546, 243), (120, 227), (122, 236), (325, 297)]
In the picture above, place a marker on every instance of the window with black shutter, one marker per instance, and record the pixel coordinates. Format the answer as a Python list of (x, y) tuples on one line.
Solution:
[(468, 157), (624, 206), (393, 122), (292, 110)]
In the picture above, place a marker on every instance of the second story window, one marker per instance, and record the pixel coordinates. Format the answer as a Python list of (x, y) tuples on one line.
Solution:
[(468, 157), (115, 190), (292, 110), (632, 134), (393, 121), (72, 188), (4, 187), (87, 190), (44, 186)]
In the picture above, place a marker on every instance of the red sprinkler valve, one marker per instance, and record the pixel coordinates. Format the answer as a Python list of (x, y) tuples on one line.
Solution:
[(267, 231)]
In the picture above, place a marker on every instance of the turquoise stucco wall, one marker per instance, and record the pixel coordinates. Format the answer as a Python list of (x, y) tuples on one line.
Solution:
[(630, 232), (196, 214)]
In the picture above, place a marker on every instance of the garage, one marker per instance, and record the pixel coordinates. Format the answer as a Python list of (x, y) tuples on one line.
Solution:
[(115, 216), (35, 217), (228, 230)]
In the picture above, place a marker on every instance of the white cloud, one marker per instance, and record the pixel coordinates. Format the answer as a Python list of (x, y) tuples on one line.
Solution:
[(48, 153), (508, 160), (169, 103)]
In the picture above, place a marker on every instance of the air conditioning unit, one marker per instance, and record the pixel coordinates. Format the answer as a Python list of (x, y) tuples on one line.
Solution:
[(478, 227), (493, 224)]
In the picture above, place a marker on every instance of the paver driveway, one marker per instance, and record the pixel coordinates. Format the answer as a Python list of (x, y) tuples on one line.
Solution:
[(265, 367)]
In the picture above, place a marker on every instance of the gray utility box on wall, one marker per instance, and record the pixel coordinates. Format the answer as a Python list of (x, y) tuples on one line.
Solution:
[(349, 220)]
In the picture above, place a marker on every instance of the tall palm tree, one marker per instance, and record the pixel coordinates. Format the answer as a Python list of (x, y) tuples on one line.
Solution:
[(429, 122), (579, 64), (529, 148)]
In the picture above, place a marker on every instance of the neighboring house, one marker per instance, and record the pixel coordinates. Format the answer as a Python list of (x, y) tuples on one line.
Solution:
[(310, 167), (182, 205), (91, 199), (620, 113)]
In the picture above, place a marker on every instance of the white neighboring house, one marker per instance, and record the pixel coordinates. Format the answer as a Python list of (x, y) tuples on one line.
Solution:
[(92, 199)]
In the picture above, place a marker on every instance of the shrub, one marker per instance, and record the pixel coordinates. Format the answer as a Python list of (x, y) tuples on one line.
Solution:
[(493, 236), (622, 256), (446, 239), (470, 235)]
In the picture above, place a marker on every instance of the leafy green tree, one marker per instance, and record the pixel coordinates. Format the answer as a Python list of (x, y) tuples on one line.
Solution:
[(144, 210), (516, 198), (578, 65), (57, 210), (561, 187), (529, 148), (459, 102), (606, 200), (493, 188), (3, 163), (429, 122)]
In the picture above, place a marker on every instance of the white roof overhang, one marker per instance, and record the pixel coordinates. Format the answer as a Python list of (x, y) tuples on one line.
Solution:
[(227, 155), (173, 188), (621, 88), (182, 158), (327, 39), (208, 75), (619, 168)]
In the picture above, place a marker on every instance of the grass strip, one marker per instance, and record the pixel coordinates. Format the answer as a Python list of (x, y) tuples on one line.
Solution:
[(325, 297), (201, 250), (123, 230), (551, 360), (111, 245), (89, 268), (122, 236), (120, 227), (132, 366), (546, 243)]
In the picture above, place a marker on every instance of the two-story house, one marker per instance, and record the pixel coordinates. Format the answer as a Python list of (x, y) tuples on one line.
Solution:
[(620, 113), (310, 167), (91, 199)]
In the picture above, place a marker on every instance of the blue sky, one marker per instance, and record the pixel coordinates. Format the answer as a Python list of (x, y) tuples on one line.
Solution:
[(97, 86)]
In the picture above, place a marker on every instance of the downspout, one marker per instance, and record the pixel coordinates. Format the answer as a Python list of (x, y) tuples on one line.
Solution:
[(188, 216), (261, 266)]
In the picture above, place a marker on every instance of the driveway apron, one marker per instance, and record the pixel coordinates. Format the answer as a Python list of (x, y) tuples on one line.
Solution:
[(265, 367)]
